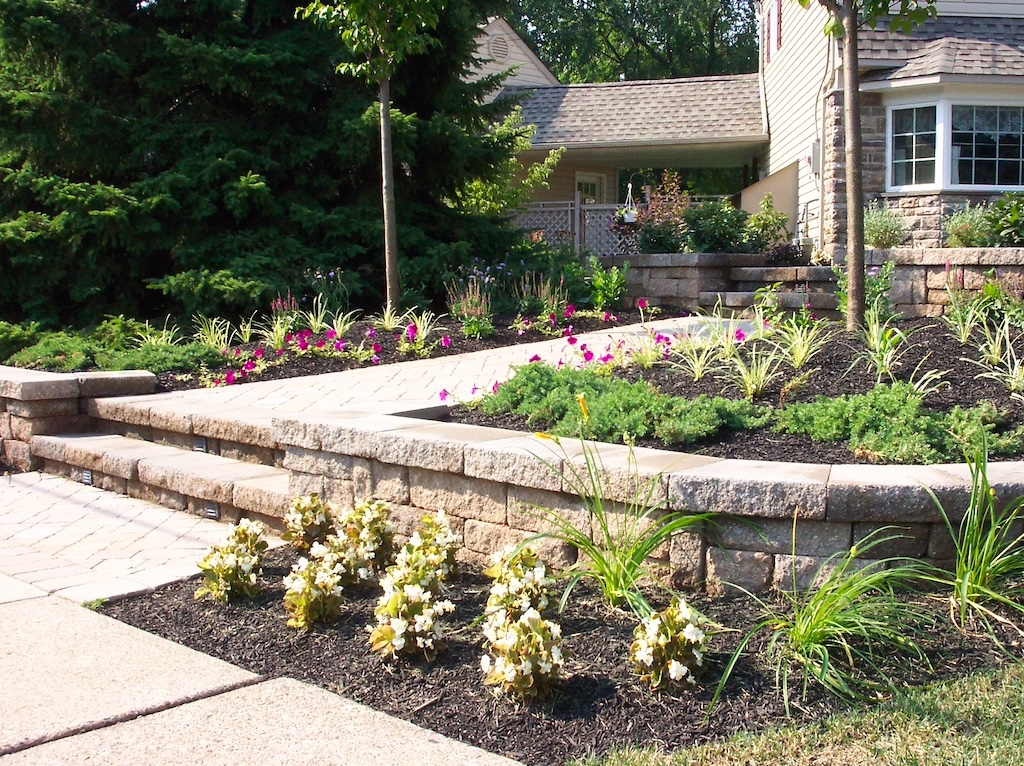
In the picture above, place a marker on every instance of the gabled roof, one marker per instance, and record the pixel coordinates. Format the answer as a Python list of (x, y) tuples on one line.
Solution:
[(646, 112), (950, 45)]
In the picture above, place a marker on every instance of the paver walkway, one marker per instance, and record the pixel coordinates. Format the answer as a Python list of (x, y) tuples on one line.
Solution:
[(80, 687)]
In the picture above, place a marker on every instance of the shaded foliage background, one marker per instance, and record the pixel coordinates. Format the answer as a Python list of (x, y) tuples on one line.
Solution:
[(213, 138)]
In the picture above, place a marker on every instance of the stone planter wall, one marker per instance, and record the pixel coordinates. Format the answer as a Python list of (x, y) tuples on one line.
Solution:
[(489, 482), (34, 403), (700, 281)]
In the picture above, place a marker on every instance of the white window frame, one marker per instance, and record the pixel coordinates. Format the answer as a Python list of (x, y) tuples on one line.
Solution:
[(943, 143)]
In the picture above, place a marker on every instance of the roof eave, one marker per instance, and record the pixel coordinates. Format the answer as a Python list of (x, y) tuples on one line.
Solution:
[(660, 142), (940, 79)]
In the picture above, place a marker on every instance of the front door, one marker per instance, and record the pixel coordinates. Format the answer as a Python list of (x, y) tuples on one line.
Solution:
[(591, 187)]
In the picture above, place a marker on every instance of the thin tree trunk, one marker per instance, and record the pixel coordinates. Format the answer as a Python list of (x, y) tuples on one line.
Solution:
[(854, 186), (394, 285)]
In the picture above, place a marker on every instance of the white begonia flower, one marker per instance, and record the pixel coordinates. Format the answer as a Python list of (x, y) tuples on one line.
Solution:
[(652, 625), (544, 666), (510, 673), (676, 670), (485, 663), (526, 668), (698, 657), (399, 625), (556, 654), (398, 642), (685, 615), (693, 634), (645, 655)]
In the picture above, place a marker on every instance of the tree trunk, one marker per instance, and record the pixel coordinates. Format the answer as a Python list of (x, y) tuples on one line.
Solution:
[(387, 186), (854, 171)]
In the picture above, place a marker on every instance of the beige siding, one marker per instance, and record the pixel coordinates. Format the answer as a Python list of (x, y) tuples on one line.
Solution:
[(793, 80), (500, 49), (782, 185), (563, 182), (988, 8)]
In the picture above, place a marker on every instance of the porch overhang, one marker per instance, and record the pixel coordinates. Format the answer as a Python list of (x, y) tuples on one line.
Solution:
[(718, 152)]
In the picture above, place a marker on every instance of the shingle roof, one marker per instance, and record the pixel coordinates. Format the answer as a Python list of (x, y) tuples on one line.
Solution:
[(956, 45), (646, 111)]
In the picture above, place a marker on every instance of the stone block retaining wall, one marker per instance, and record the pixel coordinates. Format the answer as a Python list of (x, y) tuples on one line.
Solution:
[(491, 481), (700, 281)]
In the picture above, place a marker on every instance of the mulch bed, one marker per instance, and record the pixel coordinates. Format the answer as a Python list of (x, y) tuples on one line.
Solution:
[(601, 703), (836, 371)]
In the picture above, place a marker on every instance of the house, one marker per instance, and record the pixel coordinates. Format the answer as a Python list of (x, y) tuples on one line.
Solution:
[(941, 108), (942, 120)]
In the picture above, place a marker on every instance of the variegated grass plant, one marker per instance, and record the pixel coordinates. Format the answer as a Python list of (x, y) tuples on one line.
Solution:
[(988, 566), (151, 337), (315, 317), (343, 321), (389, 319), (620, 536), (754, 371), (212, 331), (274, 331), (884, 343), (837, 632), (1009, 368), (799, 342), (695, 356), (965, 312)]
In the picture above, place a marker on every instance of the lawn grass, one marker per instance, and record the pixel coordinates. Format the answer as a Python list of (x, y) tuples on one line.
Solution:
[(978, 720)]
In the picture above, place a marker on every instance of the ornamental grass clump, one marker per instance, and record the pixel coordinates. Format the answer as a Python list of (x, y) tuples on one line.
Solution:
[(409, 610), (668, 646), (231, 570), (989, 561), (524, 654), (838, 632), (310, 520)]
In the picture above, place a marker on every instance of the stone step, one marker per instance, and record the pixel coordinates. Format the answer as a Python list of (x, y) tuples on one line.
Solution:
[(203, 483), (244, 434), (787, 300)]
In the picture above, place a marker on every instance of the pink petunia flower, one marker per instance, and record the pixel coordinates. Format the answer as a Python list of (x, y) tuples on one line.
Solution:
[(330, 335), (445, 341), (567, 331), (588, 356), (569, 311), (288, 337), (740, 335), (641, 303), (474, 389), (280, 351), (534, 358), (303, 346), (339, 345), (258, 353), (494, 388), (606, 359), (229, 377), (443, 395), (249, 366), (371, 333), (571, 340), (374, 359), (375, 348), (410, 332), (321, 343)]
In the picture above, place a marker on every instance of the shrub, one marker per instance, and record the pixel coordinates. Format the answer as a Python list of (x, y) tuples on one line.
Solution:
[(608, 286), (15, 337), (218, 293), (967, 227), (668, 646), (57, 351), (883, 228), (118, 333), (1005, 218), (524, 655), (187, 358), (231, 570), (364, 540), (767, 228), (408, 611), (716, 227), (309, 521), (662, 227), (690, 420)]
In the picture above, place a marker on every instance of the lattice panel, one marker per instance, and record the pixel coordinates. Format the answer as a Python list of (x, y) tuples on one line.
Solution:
[(552, 224)]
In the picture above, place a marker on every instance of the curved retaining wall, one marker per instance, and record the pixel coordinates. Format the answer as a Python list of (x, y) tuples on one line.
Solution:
[(490, 481)]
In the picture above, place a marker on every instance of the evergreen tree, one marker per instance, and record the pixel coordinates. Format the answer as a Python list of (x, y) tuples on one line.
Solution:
[(211, 146)]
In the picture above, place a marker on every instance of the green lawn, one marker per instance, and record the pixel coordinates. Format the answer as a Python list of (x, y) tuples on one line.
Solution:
[(977, 721)]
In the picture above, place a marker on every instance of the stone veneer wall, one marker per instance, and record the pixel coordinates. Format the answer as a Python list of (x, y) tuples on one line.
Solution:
[(923, 212), (489, 482)]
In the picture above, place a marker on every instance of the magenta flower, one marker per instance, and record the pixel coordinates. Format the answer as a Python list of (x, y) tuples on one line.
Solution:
[(371, 333), (569, 311), (303, 346), (339, 345), (551, 319), (588, 356), (443, 394), (641, 304), (571, 339), (217, 382), (374, 359), (445, 341), (375, 348), (740, 336), (280, 351), (568, 331), (258, 353), (249, 366), (410, 332), (494, 388), (607, 316), (330, 335), (229, 377), (520, 331), (288, 337), (474, 389), (321, 343), (237, 352), (606, 359), (534, 358)]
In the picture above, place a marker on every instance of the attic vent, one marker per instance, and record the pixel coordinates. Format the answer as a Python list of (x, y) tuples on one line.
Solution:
[(499, 48)]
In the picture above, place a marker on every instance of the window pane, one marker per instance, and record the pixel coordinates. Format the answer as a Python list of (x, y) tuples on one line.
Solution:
[(963, 118), (1009, 148), (902, 121), (924, 146), (965, 169), (985, 146), (925, 172), (964, 142), (925, 121), (899, 173), (1009, 173), (986, 119), (1009, 121), (985, 171), (902, 148)]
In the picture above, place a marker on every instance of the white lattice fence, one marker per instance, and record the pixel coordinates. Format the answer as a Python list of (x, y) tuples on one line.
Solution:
[(553, 222), (599, 237), (565, 223)]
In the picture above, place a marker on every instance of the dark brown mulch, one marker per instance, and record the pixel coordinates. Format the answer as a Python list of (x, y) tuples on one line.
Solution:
[(601, 703), (836, 371)]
